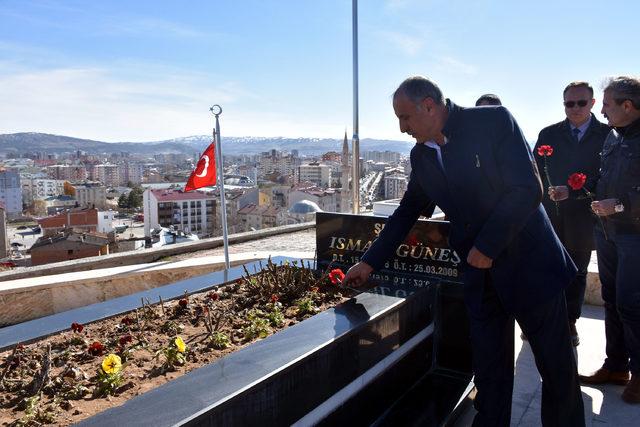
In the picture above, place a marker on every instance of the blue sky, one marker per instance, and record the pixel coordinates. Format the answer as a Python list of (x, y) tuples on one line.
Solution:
[(149, 70)]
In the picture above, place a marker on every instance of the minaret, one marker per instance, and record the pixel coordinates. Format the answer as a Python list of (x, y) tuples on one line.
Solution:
[(344, 179)]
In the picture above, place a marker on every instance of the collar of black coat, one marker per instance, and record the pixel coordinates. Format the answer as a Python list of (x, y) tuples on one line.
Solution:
[(631, 130), (452, 118)]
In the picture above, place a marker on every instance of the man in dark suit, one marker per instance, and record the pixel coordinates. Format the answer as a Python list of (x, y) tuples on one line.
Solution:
[(475, 164), (576, 143)]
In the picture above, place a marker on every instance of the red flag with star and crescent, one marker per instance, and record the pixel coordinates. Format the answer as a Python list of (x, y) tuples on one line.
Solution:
[(204, 174)]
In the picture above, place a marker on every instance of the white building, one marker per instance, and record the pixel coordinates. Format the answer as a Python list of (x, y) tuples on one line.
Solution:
[(395, 184), (275, 161), (131, 172), (105, 221), (316, 173), (326, 199), (91, 195), (11, 193), (40, 189), (192, 212)]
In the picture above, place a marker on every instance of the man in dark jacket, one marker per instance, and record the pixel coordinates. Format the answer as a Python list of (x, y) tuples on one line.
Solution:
[(618, 241), (475, 164), (576, 143)]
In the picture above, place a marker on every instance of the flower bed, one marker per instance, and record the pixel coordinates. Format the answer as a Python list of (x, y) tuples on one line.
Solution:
[(71, 375)]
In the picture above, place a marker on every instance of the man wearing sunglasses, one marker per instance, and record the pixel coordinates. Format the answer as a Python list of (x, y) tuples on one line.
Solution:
[(617, 202), (576, 142)]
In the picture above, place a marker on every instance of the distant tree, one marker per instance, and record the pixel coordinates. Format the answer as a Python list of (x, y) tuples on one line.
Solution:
[(123, 201), (69, 189), (135, 197), (130, 184)]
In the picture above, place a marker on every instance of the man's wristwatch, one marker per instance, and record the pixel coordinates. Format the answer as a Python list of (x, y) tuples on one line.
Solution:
[(619, 207)]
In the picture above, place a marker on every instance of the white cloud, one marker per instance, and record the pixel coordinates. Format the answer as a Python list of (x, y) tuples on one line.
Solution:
[(410, 45), (159, 104), (93, 103), (453, 65)]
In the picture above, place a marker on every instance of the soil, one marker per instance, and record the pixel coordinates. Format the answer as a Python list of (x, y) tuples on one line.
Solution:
[(145, 339)]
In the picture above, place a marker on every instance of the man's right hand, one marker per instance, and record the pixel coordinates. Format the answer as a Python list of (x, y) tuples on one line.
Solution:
[(559, 193), (358, 274)]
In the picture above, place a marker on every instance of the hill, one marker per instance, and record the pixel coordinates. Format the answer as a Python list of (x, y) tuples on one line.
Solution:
[(30, 142)]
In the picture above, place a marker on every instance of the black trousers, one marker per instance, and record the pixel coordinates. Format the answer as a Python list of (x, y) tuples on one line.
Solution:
[(575, 291), (492, 338)]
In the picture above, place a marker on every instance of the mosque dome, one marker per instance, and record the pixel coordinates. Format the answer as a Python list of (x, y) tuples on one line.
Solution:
[(304, 207)]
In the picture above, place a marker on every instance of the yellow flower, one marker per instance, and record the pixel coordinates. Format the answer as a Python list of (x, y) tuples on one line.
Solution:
[(180, 345), (112, 364)]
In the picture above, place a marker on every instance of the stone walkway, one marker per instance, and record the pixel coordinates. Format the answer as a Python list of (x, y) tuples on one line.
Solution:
[(603, 404)]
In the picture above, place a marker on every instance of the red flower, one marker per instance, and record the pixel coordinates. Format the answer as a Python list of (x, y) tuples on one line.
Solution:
[(576, 180), (124, 340), (274, 298), (545, 150), (77, 327), (213, 296), (183, 303), (336, 276), (411, 240), (127, 321), (96, 349)]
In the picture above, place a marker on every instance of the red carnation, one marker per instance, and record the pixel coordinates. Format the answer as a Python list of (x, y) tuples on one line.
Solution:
[(274, 298), (96, 349), (183, 303), (411, 240), (576, 180), (545, 150), (336, 276), (213, 296), (77, 327), (127, 321)]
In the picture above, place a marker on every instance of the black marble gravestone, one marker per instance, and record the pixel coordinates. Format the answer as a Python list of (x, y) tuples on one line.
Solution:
[(422, 259), (423, 262)]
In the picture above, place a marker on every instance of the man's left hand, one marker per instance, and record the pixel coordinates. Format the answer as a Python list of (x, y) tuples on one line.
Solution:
[(604, 207), (478, 260)]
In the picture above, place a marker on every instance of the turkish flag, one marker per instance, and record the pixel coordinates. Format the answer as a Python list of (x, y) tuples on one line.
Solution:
[(204, 174)]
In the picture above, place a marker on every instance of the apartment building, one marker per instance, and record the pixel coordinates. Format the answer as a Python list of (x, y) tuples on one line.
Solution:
[(317, 173), (92, 194), (11, 193), (192, 212)]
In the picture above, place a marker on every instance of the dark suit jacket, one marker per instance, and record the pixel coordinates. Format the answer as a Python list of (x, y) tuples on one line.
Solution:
[(491, 194), (572, 219)]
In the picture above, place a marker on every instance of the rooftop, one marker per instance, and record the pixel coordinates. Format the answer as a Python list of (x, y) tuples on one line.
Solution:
[(175, 195)]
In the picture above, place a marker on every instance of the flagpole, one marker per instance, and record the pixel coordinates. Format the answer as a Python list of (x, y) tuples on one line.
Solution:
[(356, 139), (216, 110)]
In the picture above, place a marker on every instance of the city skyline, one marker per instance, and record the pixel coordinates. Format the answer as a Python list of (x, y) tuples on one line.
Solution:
[(149, 71)]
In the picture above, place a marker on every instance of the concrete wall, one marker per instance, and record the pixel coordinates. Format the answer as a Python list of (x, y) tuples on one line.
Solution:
[(148, 255)]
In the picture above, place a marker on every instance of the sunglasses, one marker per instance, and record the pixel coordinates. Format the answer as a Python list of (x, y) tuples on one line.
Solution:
[(581, 103)]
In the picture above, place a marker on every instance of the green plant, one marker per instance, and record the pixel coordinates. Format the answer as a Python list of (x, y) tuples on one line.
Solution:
[(275, 315), (306, 306), (174, 353), (220, 340), (34, 414), (171, 328), (258, 326), (109, 376)]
